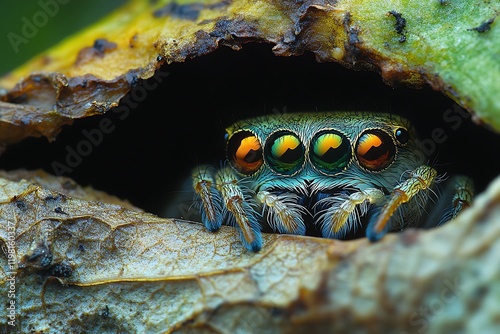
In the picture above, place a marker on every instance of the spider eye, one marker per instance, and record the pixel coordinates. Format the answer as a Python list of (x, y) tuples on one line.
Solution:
[(402, 135), (330, 151), (244, 152), (284, 152), (375, 150)]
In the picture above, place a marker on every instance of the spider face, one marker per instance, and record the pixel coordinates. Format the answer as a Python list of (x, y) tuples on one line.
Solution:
[(306, 146), (339, 175)]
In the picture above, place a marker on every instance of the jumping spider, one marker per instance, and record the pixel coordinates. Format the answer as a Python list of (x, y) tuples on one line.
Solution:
[(342, 175)]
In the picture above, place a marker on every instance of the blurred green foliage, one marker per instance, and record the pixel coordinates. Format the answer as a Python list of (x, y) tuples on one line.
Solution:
[(29, 27)]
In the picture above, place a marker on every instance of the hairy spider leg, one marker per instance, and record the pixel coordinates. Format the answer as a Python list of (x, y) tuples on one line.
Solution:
[(283, 212), (213, 212), (344, 214), (238, 205), (456, 196), (464, 191), (422, 178)]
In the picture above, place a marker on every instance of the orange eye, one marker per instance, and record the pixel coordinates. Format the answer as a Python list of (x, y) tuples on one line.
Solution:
[(244, 152), (375, 150)]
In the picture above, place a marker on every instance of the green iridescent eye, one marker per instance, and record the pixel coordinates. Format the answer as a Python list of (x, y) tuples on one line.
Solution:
[(330, 151), (284, 152)]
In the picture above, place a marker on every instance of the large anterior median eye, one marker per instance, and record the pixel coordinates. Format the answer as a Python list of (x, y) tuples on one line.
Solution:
[(244, 152), (284, 152), (375, 150), (330, 151)]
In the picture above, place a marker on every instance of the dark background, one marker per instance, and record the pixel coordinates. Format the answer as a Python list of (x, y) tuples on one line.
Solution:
[(150, 154)]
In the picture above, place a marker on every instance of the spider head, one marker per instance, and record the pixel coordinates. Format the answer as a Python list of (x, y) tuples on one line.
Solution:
[(294, 150)]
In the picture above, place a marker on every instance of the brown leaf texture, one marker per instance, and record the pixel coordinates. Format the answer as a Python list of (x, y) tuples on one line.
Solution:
[(64, 185), (88, 266)]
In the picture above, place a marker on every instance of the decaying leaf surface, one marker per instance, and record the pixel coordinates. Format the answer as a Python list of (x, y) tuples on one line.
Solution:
[(89, 266), (126, 261), (451, 45), (64, 185)]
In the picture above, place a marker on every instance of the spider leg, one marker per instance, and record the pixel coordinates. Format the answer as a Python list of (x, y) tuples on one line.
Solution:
[(212, 211), (422, 178), (457, 196), (283, 212), (244, 214), (343, 214), (464, 191)]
